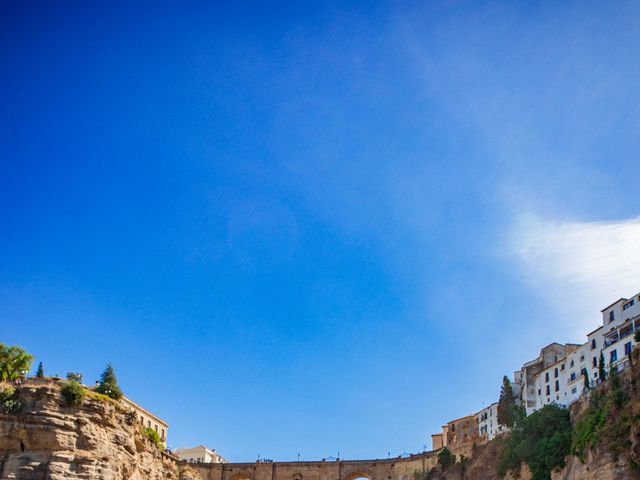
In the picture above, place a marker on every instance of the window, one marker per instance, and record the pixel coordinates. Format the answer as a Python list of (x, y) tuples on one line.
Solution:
[(614, 355), (612, 316), (562, 366), (595, 362), (548, 390), (628, 304), (627, 348), (571, 365), (573, 376), (557, 385), (574, 390), (555, 373), (593, 344), (539, 392), (546, 377)]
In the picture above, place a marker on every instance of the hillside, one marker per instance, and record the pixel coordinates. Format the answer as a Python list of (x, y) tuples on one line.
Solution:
[(41, 437), (99, 439), (603, 441)]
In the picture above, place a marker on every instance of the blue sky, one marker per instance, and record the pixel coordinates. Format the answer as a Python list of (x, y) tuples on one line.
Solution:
[(314, 228)]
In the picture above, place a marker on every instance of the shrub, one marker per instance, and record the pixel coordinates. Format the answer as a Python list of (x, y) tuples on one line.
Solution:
[(446, 458), (8, 401), (11, 405), (130, 417), (152, 435), (72, 392), (40, 371), (6, 392)]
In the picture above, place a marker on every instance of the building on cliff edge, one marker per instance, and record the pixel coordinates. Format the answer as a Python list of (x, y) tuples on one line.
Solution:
[(557, 374)]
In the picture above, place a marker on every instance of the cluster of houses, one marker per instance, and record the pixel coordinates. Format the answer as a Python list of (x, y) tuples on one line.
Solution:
[(557, 375)]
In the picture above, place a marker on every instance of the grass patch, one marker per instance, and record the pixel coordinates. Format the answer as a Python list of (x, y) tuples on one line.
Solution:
[(153, 436)]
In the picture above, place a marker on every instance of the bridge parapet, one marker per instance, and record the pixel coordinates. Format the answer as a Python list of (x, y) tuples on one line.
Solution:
[(378, 469)]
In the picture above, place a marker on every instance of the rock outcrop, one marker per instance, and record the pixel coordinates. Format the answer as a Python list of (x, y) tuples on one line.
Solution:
[(97, 440)]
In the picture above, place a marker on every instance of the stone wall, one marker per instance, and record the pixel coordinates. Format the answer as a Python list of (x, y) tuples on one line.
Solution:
[(387, 469)]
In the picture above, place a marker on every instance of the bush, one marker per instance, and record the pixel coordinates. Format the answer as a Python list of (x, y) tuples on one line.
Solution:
[(131, 416), (152, 435), (8, 401), (541, 440), (72, 392), (446, 458), (11, 406), (6, 392)]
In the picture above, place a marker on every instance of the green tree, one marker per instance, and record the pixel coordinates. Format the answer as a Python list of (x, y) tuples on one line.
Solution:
[(506, 404), (636, 336), (108, 384), (446, 458), (541, 440), (602, 373), (15, 363), (40, 371), (585, 379)]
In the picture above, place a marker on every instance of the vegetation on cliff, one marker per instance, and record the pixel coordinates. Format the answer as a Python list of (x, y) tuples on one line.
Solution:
[(611, 421), (15, 363), (72, 392), (541, 440), (506, 404), (108, 384)]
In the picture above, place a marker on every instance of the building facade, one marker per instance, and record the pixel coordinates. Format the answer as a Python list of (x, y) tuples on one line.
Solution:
[(558, 375), (199, 454), (149, 420), (561, 373), (488, 426)]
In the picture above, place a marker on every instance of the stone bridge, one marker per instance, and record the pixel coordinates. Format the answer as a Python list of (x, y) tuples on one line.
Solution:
[(386, 469)]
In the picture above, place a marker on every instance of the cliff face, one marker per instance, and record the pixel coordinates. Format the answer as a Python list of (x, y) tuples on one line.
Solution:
[(97, 440)]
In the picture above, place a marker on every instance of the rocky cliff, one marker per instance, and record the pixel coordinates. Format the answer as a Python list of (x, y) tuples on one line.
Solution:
[(45, 439)]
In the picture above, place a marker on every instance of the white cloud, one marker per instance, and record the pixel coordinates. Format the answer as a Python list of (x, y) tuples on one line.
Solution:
[(579, 268)]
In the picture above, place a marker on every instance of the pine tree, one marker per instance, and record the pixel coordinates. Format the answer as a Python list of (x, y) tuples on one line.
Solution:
[(506, 404), (585, 378), (40, 371), (602, 373), (108, 384)]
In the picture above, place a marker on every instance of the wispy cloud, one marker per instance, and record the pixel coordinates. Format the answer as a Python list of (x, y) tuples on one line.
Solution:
[(579, 267)]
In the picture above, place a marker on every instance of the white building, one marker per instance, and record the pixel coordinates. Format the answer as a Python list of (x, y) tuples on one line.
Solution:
[(199, 454), (488, 426), (557, 374)]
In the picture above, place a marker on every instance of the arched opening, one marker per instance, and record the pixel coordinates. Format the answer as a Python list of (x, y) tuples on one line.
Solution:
[(360, 475)]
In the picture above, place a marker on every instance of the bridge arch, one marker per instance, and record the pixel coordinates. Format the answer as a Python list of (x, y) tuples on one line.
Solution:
[(359, 474)]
